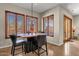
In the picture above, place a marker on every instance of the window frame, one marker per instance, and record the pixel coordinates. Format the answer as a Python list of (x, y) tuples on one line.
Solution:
[(6, 22), (24, 22), (31, 23), (48, 24)]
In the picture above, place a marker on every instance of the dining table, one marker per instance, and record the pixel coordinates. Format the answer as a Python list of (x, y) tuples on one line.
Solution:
[(29, 47), (29, 35)]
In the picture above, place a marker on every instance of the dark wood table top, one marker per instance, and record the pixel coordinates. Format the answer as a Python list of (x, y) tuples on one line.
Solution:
[(26, 35)]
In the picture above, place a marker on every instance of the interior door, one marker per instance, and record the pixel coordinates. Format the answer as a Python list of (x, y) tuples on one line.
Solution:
[(67, 28)]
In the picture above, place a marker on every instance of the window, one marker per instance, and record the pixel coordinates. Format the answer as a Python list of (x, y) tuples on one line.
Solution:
[(48, 25), (15, 23), (51, 26), (32, 24)]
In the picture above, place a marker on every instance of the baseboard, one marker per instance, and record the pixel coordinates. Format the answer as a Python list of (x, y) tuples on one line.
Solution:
[(5, 46), (55, 43), (60, 44)]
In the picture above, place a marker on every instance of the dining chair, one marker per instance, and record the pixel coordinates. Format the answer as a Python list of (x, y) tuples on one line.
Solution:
[(42, 32), (39, 42), (16, 43), (29, 47)]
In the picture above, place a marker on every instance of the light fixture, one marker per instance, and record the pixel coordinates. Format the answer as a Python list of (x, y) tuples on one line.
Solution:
[(32, 9)]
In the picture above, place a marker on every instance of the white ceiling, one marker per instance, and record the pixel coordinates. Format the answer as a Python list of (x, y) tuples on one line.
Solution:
[(72, 7), (41, 7), (38, 7)]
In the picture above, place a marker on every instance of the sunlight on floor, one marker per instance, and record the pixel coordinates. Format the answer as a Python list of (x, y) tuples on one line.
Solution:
[(67, 49)]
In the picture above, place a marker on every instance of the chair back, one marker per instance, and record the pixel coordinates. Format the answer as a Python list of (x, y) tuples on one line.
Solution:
[(41, 40), (42, 32), (28, 32), (13, 39)]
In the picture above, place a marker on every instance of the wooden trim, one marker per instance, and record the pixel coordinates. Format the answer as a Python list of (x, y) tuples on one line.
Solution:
[(67, 17), (48, 25), (53, 24), (24, 24), (37, 24), (48, 16), (16, 24), (5, 24), (43, 24), (70, 26), (14, 12)]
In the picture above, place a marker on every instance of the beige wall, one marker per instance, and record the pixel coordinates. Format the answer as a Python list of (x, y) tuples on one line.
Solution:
[(55, 12), (63, 12), (6, 42), (58, 13)]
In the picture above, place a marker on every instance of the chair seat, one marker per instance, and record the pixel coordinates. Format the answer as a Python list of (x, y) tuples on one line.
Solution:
[(20, 41)]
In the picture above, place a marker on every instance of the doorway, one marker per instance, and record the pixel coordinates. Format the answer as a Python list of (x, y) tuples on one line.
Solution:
[(67, 28)]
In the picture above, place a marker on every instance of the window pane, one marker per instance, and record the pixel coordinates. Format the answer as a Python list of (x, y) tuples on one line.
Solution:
[(20, 24), (34, 24), (28, 24), (46, 25), (51, 26), (31, 24), (10, 24)]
